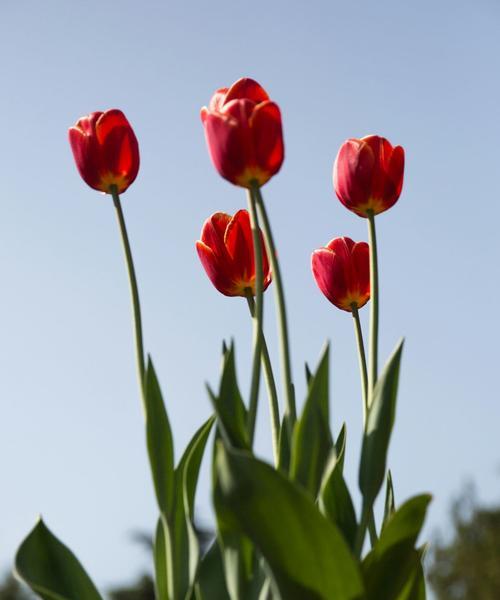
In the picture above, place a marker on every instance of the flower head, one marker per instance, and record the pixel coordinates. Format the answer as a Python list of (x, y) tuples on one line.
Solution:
[(342, 272), (243, 133), (106, 150), (368, 174), (227, 255)]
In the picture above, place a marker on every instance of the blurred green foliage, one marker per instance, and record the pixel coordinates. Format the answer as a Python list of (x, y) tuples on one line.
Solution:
[(467, 567)]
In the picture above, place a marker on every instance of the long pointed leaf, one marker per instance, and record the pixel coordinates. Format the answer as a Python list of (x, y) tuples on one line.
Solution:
[(159, 441), (378, 430), (312, 439)]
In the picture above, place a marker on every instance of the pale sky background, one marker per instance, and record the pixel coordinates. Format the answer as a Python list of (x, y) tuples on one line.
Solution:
[(424, 74)]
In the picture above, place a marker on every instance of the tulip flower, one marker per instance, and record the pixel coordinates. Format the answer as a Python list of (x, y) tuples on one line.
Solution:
[(342, 272), (243, 133), (226, 253), (368, 174), (106, 150)]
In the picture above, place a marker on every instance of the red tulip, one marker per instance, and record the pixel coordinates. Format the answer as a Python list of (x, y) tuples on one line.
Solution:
[(227, 255), (342, 272), (106, 150), (368, 174), (243, 133)]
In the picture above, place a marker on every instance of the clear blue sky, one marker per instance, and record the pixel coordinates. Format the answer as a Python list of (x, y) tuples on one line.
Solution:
[(423, 74)]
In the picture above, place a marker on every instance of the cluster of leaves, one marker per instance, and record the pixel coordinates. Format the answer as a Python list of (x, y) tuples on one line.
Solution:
[(288, 533)]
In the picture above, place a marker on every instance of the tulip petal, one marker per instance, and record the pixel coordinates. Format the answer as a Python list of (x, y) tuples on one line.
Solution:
[(213, 233), (361, 262), (108, 121), (329, 275), (239, 244), (217, 100), (353, 172), (85, 152), (246, 88), (229, 145), (216, 270), (267, 137)]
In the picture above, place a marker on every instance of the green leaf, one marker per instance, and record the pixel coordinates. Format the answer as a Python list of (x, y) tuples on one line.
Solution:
[(284, 446), (378, 429), (228, 404), (415, 588), (340, 445), (392, 564), (159, 441), (389, 506), (182, 549), (312, 439), (51, 569), (309, 375), (405, 524), (189, 465), (306, 553), (210, 581), (187, 480), (335, 501), (161, 560)]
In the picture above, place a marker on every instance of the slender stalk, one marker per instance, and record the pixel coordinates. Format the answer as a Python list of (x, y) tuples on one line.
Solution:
[(362, 359), (374, 297), (360, 535), (364, 387), (286, 369), (271, 388), (134, 291), (257, 316)]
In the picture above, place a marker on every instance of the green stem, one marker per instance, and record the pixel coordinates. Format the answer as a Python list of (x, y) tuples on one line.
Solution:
[(139, 347), (286, 369), (362, 359), (360, 535), (374, 297), (372, 528), (271, 388), (257, 317)]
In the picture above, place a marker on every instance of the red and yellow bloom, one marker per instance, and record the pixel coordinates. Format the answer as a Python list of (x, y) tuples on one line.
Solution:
[(243, 133), (106, 150), (342, 272), (368, 174), (227, 254)]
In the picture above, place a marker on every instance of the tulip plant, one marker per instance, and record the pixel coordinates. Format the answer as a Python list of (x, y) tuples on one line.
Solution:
[(287, 530)]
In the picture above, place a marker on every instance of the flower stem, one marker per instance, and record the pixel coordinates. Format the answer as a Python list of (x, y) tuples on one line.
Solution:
[(374, 297), (271, 387), (360, 535), (286, 369), (364, 387), (139, 347), (362, 359), (258, 315)]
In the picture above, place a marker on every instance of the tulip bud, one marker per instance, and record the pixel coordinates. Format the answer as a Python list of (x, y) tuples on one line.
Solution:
[(243, 133), (342, 272), (106, 150), (368, 174), (227, 255)]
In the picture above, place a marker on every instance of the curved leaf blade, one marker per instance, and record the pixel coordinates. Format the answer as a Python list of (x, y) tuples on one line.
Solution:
[(51, 569), (379, 423), (306, 553), (159, 441), (335, 501), (312, 439)]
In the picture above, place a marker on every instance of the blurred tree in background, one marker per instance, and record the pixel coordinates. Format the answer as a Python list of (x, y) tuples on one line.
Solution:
[(468, 566)]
